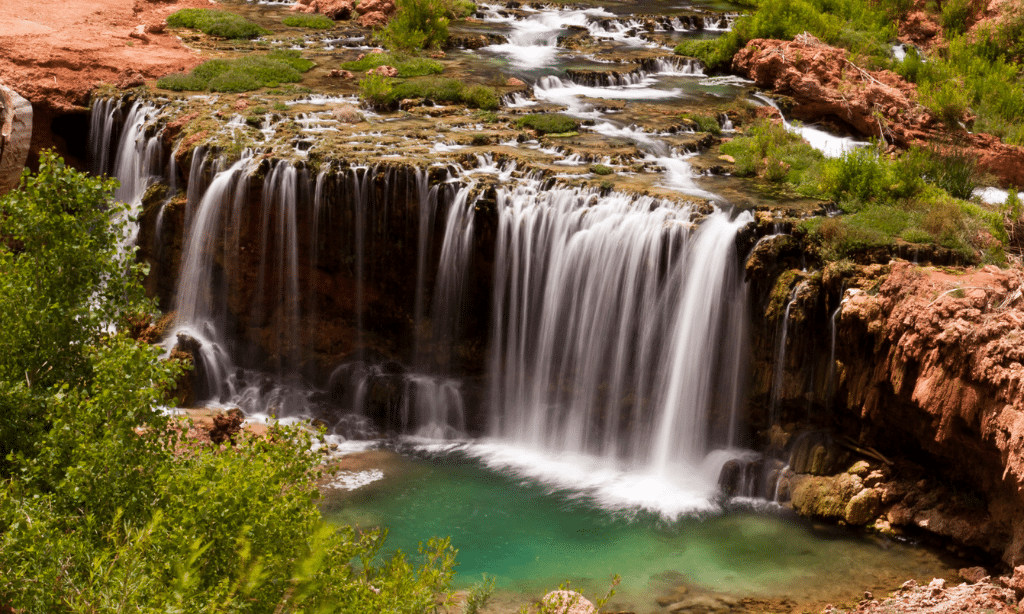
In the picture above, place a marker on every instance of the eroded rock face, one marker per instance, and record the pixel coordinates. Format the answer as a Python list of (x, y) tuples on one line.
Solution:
[(15, 136)]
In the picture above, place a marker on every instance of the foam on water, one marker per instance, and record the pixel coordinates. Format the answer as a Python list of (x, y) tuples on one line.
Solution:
[(994, 196), (691, 489), (351, 480)]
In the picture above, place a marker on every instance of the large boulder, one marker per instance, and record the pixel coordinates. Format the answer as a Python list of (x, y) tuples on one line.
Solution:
[(15, 136)]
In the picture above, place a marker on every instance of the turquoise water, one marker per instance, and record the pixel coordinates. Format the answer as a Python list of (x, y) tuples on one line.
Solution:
[(530, 538)]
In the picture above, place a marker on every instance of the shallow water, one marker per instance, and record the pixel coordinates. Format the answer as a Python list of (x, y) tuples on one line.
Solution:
[(531, 537)]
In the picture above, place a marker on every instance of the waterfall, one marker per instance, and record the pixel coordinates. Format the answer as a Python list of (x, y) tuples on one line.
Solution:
[(610, 322), (780, 358)]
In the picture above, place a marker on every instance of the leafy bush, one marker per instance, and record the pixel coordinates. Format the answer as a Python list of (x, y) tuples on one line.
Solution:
[(548, 123), (461, 9), (418, 24), (955, 14), (407, 66), (216, 23), (241, 75), (103, 506), (481, 97), (313, 22), (600, 169), (769, 149)]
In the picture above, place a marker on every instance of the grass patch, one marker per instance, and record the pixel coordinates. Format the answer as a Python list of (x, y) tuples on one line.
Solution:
[(216, 23), (770, 151), (382, 92), (548, 123), (313, 22), (601, 169), (418, 24), (407, 66), (240, 75), (703, 122)]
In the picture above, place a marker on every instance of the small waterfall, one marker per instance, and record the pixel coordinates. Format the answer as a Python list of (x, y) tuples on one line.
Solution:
[(450, 287), (608, 328), (780, 359), (138, 159)]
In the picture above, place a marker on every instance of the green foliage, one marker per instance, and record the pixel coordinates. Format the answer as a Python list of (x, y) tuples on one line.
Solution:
[(600, 169), (376, 90), (479, 594), (407, 66), (216, 23), (955, 14), (704, 122), (313, 22), (461, 9), (382, 92), (548, 123), (103, 506), (418, 24), (241, 75), (768, 149), (715, 53)]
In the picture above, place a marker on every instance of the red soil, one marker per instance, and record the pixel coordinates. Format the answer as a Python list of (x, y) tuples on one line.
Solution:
[(54, 52)]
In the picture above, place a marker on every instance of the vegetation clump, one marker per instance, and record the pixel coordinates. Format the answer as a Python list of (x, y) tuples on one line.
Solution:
[(407, 66), (601, 169), (383, 92), (703, 122), (216, 23), (104, 506), (313, 22), (549, 123), (242, 74), (918, 196)]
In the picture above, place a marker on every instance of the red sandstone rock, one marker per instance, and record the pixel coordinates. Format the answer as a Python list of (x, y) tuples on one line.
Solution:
[(387, 7), (938, 598), (919, 28), (384, 71), (948, 368), (374, 20), (514, 82), (335, 9)]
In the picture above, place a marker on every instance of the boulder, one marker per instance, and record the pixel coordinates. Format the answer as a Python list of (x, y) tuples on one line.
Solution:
[(226, 425), (567, 602), (335, 9), (384, 71), (374, 20), (15, 136), (386, 7)]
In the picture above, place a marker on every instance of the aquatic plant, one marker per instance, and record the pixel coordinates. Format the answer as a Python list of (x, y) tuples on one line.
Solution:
[(548, 123), (240, 75), (407, 66), (216, 23)]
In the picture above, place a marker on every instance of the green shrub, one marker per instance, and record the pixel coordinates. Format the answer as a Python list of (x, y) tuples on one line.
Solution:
[(768, 149), (407, 66), (216, 23), (955, 171), (461, 9), (548, 123), (955, 14), (600, 169), (705, 123), (947, 100), (313, 22), (103, 505), (240, 75), (418, 24), (376, 90)]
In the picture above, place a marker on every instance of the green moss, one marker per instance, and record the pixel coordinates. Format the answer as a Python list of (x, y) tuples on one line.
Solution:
[(600, 169), (549, 123), (407, 66), (382, 92), (313, 22), (780, 294), (240, 75), (216, 23), (704, 122)]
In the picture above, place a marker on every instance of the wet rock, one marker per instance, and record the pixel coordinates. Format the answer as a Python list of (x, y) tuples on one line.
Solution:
[(567, 602), (863, 507), (973, 574), (341, 74), (825, 497), (677, 595), (514, 82), (347, 114), (226, 425)]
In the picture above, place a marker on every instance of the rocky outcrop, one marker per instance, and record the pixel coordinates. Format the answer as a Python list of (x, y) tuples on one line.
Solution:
[(825, 85), (937, 597), (15, 136), (928, 368)]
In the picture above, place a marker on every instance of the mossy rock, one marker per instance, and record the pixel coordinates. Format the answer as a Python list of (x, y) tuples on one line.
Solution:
[(826, 497)]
